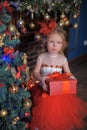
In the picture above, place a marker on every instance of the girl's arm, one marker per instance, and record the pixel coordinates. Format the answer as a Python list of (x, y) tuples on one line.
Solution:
[(67, 69), (38, 75), (37, 68)]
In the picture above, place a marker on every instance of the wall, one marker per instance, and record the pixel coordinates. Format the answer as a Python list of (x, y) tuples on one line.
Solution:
[(77, 37)]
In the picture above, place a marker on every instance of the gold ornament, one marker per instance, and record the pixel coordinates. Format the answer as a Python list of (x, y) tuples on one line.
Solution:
[(18, 34), (75, 16), (13, 89), (37, 36), (27, 103), (14, 37), (32, 25), (3, 113), (62, 15), (67, 22), (15, 120), (24, 58), (75, 25), (12, 28), (47, 17), (61, 23)]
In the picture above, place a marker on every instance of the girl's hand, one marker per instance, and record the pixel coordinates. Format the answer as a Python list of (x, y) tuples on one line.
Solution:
[(43, 83), (72, 77)]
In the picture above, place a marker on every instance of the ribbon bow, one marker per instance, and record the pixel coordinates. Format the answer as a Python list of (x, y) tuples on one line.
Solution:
[(8, 51), (59, 76), (47, 27), (19, 69)]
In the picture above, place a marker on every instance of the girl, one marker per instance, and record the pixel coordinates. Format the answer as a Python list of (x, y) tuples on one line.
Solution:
[(57, 112)]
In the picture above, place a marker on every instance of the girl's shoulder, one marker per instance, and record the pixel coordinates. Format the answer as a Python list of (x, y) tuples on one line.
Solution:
[(43, 55), (62, 58)]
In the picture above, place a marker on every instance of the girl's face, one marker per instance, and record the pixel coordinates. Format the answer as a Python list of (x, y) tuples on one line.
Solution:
[(54, 43)]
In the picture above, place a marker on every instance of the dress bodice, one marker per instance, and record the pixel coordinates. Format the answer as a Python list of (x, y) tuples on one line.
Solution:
[(49, 69)]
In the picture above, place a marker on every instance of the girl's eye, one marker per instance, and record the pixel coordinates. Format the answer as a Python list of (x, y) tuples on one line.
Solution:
[(51, 41), (60, 42), (55, 42)]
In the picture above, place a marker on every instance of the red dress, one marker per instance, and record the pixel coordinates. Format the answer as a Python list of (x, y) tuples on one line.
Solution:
[(57, 112)]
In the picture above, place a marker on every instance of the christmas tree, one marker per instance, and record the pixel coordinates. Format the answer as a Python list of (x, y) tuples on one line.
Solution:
[(15, 100)]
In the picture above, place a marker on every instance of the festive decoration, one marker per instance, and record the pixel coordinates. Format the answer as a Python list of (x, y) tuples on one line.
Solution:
[(20, 22), (44, 6), (13, 89), (32, 25), (49, 8), (32, 82), (14, 121), (47, 27), (37, 36), (27, 103), (63, 84), (64, 20), (27, 125), (15, 100), (12, 28), (24, 58), (75, 25), (3, 113), (46, 17)]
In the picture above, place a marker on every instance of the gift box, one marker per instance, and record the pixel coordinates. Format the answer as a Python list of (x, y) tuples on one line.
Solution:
[(61, 85)]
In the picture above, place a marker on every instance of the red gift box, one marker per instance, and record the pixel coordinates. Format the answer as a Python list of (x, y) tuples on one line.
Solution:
[(61, 84)]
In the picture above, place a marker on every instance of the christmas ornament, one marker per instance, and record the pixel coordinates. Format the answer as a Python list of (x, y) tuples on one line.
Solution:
[(27, 125), (14, 37), (27, 114), (75, 15), (67, 22), (64, 20), (47, 17), (14, 121), (13, 89), (17, 34), (23, 29), (75, 25), (62, 15), (27, 103), (12, 28), (32, 25), (30, 83), (37, 36), (61, 23), (3, 113), (24, 58), (20, 22)]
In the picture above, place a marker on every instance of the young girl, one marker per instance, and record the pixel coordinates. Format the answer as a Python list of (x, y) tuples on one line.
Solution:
[(57, 112)]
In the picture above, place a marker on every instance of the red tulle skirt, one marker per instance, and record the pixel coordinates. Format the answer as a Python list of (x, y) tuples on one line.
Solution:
[(59, 112)]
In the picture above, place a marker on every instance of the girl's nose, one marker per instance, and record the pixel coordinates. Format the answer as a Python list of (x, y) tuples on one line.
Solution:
[(54, 44)]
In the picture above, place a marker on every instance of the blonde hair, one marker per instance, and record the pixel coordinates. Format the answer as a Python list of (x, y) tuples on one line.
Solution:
[(62, 33)]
